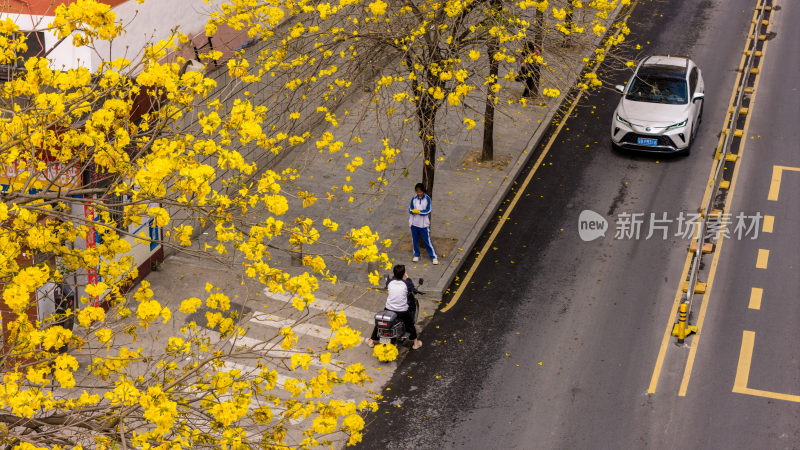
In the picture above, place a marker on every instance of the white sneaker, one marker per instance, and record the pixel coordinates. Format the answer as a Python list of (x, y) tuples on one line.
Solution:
[(435, 261), (415, 259)]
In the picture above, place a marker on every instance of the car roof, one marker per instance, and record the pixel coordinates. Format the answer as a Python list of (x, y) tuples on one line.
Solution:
[(664, 67), (667, 60)]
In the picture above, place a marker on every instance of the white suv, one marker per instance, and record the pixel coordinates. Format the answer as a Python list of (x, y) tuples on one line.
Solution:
[(661, 106)]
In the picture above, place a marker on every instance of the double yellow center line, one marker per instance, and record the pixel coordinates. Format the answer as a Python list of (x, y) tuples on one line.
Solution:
[(718, 250)]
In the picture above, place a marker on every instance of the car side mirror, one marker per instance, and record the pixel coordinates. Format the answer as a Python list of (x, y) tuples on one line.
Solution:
[(698, 96), (620, 88), (421, 281)]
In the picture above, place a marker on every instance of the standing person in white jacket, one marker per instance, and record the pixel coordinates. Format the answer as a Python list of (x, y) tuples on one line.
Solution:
[(419, 220)]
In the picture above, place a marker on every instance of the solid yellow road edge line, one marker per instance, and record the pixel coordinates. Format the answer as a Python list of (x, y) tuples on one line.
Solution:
[(704, 307), (687, 372), (508, 210), (662, 351), (743, 372), (525, 183), (729, 113)]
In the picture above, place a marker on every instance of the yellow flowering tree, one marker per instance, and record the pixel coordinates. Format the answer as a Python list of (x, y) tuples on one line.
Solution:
[(152, 150), (421, 59), (92, 156), (428, 58)]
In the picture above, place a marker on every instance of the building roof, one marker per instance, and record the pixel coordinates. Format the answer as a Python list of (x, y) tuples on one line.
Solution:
[(41, 7)]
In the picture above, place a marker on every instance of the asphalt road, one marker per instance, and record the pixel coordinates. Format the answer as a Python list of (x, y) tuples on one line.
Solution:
[(553, 343), (769, 415)]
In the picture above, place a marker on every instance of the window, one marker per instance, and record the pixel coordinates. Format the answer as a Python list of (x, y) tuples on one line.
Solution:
[(116, 207), (654, 89), (693, 80), (35, 42)]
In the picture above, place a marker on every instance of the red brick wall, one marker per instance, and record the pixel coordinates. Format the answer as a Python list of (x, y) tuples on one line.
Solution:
[(41, 7), (8, 316)]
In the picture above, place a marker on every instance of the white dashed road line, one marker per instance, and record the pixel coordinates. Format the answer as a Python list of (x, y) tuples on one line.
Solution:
[(324, 303), (302, 329), (246, 341)]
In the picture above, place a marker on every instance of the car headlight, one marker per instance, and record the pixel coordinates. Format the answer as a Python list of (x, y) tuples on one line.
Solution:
[(619, 118), (677, 125)]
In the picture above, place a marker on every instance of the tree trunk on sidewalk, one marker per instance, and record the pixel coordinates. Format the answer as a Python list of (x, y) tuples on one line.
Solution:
[(569, 23), (538, 41), (487, 153), (426, 108), (426, 114)]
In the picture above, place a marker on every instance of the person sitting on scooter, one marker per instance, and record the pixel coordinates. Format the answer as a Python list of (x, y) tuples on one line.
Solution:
[(401, 301)]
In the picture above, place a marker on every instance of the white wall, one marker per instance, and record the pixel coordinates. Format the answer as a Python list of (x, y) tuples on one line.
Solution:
[(66, 56), (154, 20), (150, 21)]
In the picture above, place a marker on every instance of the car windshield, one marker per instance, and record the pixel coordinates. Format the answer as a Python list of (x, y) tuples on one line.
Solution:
[(658, 89)]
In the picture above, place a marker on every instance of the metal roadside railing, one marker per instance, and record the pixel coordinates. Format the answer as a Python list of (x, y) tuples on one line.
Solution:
[(716, 191)]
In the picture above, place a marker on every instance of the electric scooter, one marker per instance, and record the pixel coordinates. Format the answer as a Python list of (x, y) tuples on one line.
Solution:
[(390, 328)]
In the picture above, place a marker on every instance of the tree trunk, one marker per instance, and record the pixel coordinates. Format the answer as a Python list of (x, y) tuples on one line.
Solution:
[(538, 33), (487, 154), (426, 114), (426, 109), (570, 24), (429, 170), (538, 41)]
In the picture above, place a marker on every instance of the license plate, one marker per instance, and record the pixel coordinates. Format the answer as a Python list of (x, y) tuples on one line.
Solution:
[(385, 340), (647, 141)]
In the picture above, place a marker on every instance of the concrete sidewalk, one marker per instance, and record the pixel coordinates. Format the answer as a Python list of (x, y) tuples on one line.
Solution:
[(466, 193)]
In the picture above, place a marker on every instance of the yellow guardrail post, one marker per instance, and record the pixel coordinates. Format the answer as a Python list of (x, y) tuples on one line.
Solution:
[(681, 330)]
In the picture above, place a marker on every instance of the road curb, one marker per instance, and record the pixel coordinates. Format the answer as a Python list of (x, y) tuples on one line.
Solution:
[(467, 246)]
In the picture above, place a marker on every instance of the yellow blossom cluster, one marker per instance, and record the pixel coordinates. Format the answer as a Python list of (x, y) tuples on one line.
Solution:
[(385, 352), (107, 163)]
